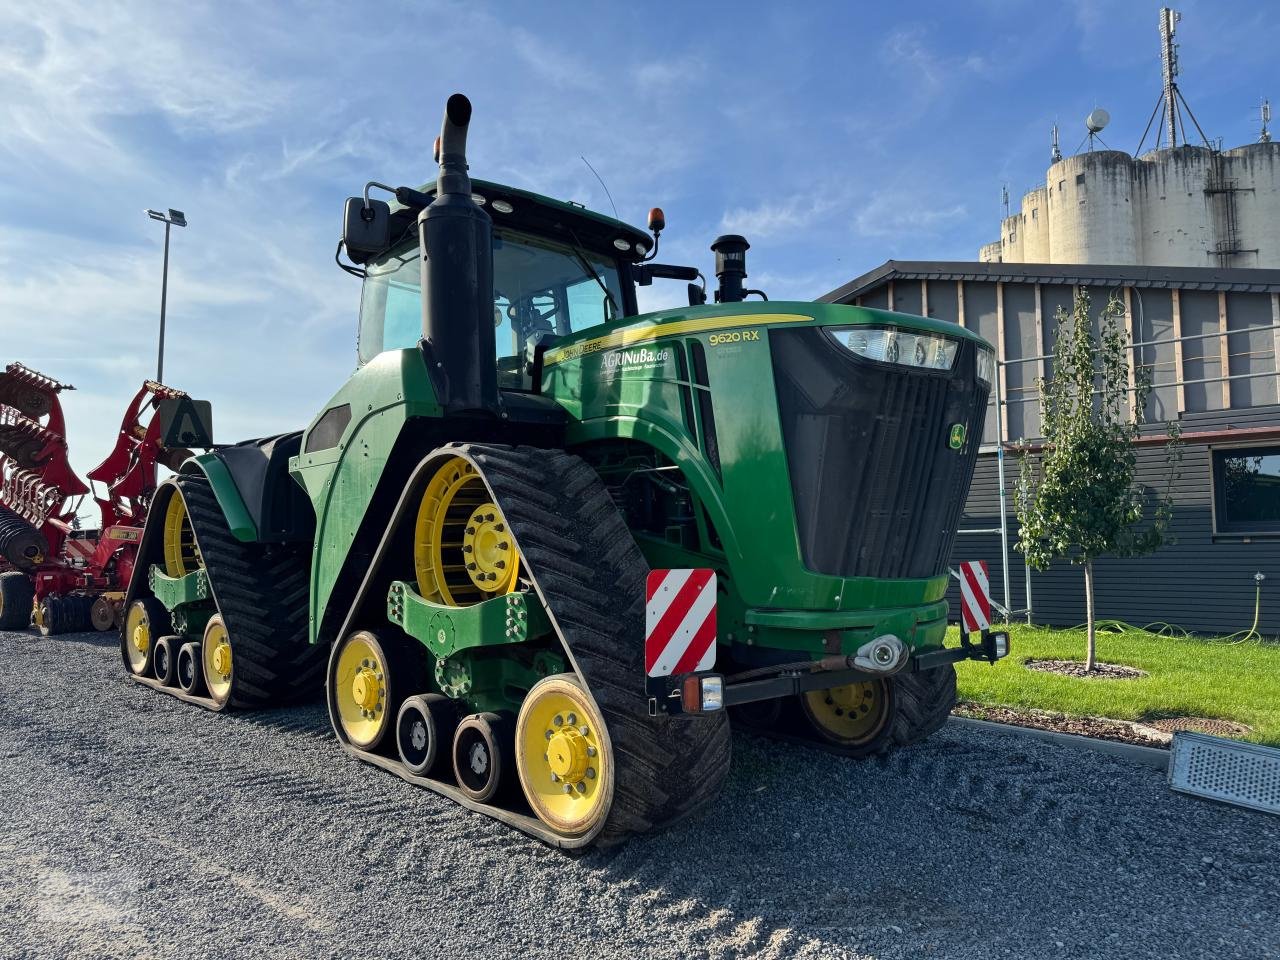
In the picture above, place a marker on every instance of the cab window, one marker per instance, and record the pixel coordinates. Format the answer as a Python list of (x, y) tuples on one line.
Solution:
[(540, 288)]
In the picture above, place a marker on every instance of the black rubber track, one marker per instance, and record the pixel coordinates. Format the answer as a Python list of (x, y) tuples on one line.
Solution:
[(923, 702), (16, 594), (590, 575), (261, 592)]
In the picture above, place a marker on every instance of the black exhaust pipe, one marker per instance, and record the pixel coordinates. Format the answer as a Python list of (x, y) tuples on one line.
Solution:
[(456, 237)]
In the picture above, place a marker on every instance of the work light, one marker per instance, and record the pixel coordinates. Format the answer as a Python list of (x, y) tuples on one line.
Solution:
[(908, 348)]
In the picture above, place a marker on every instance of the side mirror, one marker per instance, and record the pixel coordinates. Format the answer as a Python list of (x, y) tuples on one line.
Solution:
[(697, 295), (366, 226), (185, 423)]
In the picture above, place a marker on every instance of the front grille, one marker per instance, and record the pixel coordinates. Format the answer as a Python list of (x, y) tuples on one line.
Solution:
[(878, 491)]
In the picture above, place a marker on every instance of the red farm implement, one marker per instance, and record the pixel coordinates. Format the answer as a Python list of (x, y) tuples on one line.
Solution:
[(64, 577)]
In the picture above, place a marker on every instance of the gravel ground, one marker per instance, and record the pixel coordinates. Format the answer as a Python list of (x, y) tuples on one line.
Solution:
[(134, 825)]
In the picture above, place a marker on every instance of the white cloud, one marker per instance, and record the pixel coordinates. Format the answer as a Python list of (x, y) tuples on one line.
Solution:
[(906, 216)]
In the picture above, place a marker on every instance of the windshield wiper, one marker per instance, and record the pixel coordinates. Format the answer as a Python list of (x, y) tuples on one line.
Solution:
[(582, 259)]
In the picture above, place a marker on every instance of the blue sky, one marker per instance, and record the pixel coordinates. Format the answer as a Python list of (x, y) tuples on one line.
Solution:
[(835, 136)]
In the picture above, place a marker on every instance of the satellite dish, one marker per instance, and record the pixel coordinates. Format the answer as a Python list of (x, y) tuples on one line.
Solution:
[(1098, 119)]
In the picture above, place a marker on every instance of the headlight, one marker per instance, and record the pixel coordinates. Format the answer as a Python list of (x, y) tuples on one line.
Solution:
[(986, 365), (892, 345)]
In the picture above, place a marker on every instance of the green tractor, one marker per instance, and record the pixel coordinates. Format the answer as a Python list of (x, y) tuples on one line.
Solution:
[(539, 547)]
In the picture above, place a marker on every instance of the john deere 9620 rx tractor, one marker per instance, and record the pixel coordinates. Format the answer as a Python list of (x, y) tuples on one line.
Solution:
[(459, 545)]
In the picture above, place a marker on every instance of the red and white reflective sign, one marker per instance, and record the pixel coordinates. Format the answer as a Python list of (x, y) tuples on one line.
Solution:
[(975, 596), (680, 622)]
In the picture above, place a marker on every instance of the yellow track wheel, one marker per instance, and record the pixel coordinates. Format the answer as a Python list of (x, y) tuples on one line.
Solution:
[(852, 715), (360, 687), (181, 556), (145, 622), (463, 551), (216, 658), (563, 756)]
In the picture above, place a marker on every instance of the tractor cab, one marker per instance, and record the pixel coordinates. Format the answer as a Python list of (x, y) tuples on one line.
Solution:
[(557, 269)]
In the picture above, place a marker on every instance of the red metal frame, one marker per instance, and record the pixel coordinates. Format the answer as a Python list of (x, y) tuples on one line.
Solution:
[(38, 483)]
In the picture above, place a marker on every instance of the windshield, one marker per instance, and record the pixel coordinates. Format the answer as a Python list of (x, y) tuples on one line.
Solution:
[(540, 287)]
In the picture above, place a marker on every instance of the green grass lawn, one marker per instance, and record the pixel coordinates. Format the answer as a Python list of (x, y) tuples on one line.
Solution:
[(1187, 677)]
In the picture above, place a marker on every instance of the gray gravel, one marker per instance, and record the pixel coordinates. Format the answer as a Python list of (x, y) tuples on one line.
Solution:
[(134, 825)]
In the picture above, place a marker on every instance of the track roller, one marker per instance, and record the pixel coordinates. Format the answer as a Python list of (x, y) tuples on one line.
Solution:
[(144, 622), (482, 761), (422, 725), (16, 594), (190, 668), (164, 661)]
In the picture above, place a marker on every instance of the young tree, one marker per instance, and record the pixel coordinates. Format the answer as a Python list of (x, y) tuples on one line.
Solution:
[(1076, 497)]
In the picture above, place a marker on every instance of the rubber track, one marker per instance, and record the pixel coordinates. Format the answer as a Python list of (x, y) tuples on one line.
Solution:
[(261, 592), (590, 576)]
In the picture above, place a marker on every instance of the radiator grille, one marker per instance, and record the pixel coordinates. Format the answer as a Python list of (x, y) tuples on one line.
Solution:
[(877, 488), (1244, 774)]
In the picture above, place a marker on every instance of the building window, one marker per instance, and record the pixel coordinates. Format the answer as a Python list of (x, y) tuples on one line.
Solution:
[(1246, 490), (1079, 179)]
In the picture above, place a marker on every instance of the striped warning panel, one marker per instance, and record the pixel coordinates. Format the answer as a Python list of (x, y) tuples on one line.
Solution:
[(975, 596), (680, 622)]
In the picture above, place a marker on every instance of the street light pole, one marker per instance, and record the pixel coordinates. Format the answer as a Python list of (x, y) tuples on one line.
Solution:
[(173, 218)]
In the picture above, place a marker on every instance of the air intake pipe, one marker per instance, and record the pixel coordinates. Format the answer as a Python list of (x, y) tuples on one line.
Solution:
[(456, 238)]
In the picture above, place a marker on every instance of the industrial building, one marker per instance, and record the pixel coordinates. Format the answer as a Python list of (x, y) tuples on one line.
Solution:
[(1210, 339)]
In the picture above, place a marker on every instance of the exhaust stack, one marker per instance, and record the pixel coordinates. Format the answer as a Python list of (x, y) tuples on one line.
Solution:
[(456, 238)]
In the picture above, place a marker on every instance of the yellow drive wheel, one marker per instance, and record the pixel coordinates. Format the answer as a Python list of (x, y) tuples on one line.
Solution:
[(360, 687), (145, 622), (852, 715), (463, 551), (564, 756), (216, 659), (181, 555)]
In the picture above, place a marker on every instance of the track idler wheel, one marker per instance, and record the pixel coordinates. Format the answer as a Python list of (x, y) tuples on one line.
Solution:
[(482, 756), (563, 755), (422, 725), (190, 668), (16, 594), (145, 622), (216, 660), (165, 660), (364, 688)]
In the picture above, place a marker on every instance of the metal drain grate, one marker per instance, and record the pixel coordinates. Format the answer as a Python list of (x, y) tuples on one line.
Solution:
[(1241, 773)]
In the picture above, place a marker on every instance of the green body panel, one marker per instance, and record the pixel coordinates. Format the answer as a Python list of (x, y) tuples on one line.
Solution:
[(443, 630), (618, 382), (228, 495), (340, 481)]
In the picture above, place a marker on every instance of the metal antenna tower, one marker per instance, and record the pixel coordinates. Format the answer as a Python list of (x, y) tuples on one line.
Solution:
[(1171, 104), (1265, 136), (1056, 153), (1169, 66)]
